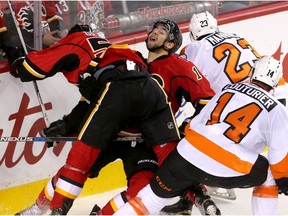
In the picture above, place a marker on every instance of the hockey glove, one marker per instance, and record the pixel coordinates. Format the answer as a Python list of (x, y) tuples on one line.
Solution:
[(182, 127), (58, 128), (89, 88), (282, 184), (15, 65)]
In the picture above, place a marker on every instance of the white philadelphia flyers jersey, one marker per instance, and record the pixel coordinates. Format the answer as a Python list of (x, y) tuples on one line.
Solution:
[(225, 138), (225, 58), (222, 58)]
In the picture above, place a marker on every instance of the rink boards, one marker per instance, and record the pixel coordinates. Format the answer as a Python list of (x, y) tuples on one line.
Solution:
[(26, 167)]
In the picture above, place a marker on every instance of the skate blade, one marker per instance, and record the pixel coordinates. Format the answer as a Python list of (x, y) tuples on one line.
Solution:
[(222, 193)]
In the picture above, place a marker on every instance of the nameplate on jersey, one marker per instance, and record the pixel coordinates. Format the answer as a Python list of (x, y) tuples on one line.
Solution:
[(219, 37), (255, 93)]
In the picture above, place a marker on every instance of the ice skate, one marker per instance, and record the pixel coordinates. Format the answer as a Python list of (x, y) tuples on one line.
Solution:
[(96, 210), (206, 205), (57, 211), (182, 207), (34, 210)]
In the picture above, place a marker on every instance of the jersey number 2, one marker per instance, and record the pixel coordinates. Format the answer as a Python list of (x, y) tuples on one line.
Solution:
[(233, 54)]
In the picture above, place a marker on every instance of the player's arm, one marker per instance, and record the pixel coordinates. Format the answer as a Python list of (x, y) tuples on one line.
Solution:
[(278, 148), (197, 91), (45, 63)]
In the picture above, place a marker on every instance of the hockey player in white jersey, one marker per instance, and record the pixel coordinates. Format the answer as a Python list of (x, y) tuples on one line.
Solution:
[(223, 147), (222, 57)]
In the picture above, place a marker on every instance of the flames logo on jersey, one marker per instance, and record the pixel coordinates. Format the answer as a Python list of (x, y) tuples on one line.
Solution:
[(25, 17)]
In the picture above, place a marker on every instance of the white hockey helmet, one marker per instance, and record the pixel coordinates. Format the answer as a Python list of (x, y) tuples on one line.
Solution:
[(202, 24), (267, 70)]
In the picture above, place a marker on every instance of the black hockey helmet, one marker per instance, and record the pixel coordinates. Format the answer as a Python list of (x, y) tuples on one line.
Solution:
[(80, 28), (175, 34)]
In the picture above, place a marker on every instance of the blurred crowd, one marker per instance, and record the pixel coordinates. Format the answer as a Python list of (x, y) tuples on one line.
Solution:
[(107, 18)]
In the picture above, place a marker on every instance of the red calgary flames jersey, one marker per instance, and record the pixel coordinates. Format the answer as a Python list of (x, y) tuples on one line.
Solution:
[(71, 55), (180, 78)]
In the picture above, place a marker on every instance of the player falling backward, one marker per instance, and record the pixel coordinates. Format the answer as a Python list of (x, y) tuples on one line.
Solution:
[(228, 137), (69, 76)]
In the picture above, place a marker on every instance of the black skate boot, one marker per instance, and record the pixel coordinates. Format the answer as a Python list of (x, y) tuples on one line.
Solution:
[(182, 207), (96, 210), (203, 201), (206, 205), (57, 211), (66, 206)]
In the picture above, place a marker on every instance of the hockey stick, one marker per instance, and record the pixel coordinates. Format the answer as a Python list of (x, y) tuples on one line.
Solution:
[(60, 139), (44, 113)]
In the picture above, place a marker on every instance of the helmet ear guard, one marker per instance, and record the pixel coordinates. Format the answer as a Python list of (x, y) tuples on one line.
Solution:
[(267, 70), (202, 24), (175, 34)]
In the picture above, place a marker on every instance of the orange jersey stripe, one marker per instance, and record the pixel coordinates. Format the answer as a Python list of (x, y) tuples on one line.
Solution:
[(281, 82), (138, 206), (266, 191), (282, 165), (217, 153)]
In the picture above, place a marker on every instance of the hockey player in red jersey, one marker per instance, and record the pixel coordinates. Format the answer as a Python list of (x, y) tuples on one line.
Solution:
[(71, 56), (82, 45), (180, 79), (128, 97), (132, 191), (228, 137)]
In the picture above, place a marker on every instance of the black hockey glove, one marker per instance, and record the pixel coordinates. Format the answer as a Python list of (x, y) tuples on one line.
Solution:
[(182, 127), (58, 128), (282, 184), (89, 88), (15, 65)]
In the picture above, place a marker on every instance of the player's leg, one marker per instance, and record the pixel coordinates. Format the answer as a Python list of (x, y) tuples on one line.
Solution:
[(199, 195), (67, 126), (170, 180), (139, 163), (96, 133), (265, 196), (43, 201), (72, 176)]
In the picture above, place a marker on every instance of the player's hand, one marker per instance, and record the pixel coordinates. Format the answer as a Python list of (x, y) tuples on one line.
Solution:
[(182, 127), (43, 134), (89, 88), (56, 129), (48, 38), (282, 184), (63, 33)]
